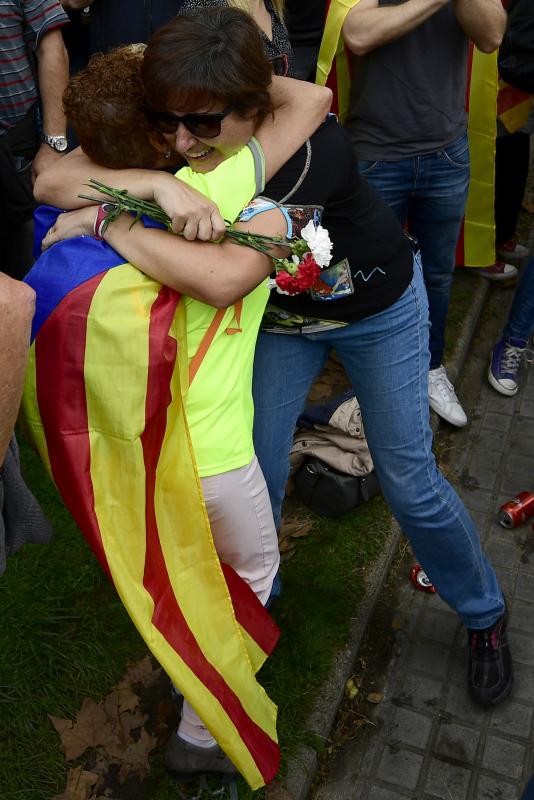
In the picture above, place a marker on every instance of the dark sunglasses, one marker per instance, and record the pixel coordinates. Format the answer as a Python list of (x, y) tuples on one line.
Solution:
[(279, 65), (205, 125)]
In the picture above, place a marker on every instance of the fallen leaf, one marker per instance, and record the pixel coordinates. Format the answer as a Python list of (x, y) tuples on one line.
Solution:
[(144, 672), (134, 759), (79, 786), (131, 720), (287, 545), (126, 698), (303, 530), (375, 697), (89, 729)]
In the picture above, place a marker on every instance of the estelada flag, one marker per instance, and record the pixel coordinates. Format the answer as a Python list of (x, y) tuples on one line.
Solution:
[(476, 245), (104, 405)]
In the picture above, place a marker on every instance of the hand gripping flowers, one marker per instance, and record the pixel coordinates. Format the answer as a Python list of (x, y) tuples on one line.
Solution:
[(296, 274)]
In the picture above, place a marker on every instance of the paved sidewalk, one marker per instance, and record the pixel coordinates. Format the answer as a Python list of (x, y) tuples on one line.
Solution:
[(430, 740)]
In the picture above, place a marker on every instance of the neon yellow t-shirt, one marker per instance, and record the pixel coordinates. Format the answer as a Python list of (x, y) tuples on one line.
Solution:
[(219, 405)]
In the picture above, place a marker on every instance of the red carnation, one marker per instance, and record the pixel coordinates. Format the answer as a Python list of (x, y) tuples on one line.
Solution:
[(303, 279)]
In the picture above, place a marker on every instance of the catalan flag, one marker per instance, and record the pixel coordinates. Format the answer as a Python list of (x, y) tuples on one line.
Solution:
[(104, 405)]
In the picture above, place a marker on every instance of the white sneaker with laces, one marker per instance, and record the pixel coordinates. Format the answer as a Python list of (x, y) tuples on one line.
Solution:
[(442, 398)]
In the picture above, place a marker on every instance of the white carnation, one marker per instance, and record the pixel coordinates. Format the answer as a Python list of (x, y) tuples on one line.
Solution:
[(319, 243)]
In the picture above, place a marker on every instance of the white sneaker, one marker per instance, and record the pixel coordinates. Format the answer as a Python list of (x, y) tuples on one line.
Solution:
[(442, 398)]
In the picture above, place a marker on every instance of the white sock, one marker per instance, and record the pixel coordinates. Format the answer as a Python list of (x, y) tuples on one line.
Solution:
[(197, 742), (191, 728)]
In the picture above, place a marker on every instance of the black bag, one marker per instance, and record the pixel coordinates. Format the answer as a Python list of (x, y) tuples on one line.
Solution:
[(516, 54), (331, 493)]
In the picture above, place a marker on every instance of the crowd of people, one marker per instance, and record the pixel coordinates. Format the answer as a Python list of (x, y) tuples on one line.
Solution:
[(218, 121)]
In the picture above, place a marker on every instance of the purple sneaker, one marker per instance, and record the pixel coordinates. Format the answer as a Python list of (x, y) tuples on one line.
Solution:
[(505, 362)]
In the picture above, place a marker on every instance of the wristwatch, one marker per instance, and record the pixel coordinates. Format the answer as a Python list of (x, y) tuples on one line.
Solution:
[(58, 143)]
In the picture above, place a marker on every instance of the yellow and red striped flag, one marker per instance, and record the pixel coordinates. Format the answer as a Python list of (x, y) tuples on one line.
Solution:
[(104, 405)]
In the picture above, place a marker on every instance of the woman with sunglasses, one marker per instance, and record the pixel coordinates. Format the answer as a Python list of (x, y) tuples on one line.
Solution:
[(372, 308), (269, 17), (218, 402)]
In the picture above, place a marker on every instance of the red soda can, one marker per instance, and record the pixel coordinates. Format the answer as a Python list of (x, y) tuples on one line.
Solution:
[(517, 510), (420, 579)]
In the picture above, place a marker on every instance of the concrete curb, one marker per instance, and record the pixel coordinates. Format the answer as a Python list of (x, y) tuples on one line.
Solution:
[(303, 765)]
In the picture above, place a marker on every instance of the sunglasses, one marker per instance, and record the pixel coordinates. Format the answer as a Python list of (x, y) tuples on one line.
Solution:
[(205, 125)]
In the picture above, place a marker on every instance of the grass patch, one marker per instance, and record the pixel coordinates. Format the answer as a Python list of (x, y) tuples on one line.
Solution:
[(66, 636)]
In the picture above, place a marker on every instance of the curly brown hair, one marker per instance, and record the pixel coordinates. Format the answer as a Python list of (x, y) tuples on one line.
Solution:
[(200, 60), (103, 103)]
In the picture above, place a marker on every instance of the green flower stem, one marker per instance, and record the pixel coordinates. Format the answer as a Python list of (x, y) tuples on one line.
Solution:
[(127, 203)]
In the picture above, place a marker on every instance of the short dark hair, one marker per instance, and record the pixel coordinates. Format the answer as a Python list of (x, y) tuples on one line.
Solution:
[(202, 59), (103, 103)]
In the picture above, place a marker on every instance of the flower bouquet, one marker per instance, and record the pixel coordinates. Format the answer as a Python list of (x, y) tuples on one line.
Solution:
[(295, 274)]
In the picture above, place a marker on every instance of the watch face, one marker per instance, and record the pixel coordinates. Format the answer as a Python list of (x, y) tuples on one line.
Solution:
[(60, 144)]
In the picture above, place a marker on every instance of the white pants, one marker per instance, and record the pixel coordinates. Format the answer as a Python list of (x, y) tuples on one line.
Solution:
[(244, 533)]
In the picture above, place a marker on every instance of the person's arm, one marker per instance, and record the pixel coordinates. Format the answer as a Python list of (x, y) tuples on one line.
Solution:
[(300, 107), (187, 208), (217, 274), (368, 25), (53, 76), (17, 304), (483, 21)]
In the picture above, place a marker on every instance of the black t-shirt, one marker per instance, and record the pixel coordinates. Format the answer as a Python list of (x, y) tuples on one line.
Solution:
[(305, 21), (372, 262)]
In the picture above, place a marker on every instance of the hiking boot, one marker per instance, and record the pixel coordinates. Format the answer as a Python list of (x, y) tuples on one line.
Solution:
[(512, 249), (442, 398), (499, 271), (490, 675), (505, 361), (189, 759)]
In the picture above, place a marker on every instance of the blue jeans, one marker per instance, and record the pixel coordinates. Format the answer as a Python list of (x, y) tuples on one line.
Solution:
[(386, 358), (429, 193), (528, 792), (521, 320)]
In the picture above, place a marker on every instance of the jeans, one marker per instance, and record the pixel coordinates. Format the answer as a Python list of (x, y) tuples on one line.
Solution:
[(386, 357), (428, 193), (520, 323)]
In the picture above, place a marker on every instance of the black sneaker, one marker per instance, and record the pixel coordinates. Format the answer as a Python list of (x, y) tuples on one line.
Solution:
[(491, 673), (189, 759)]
